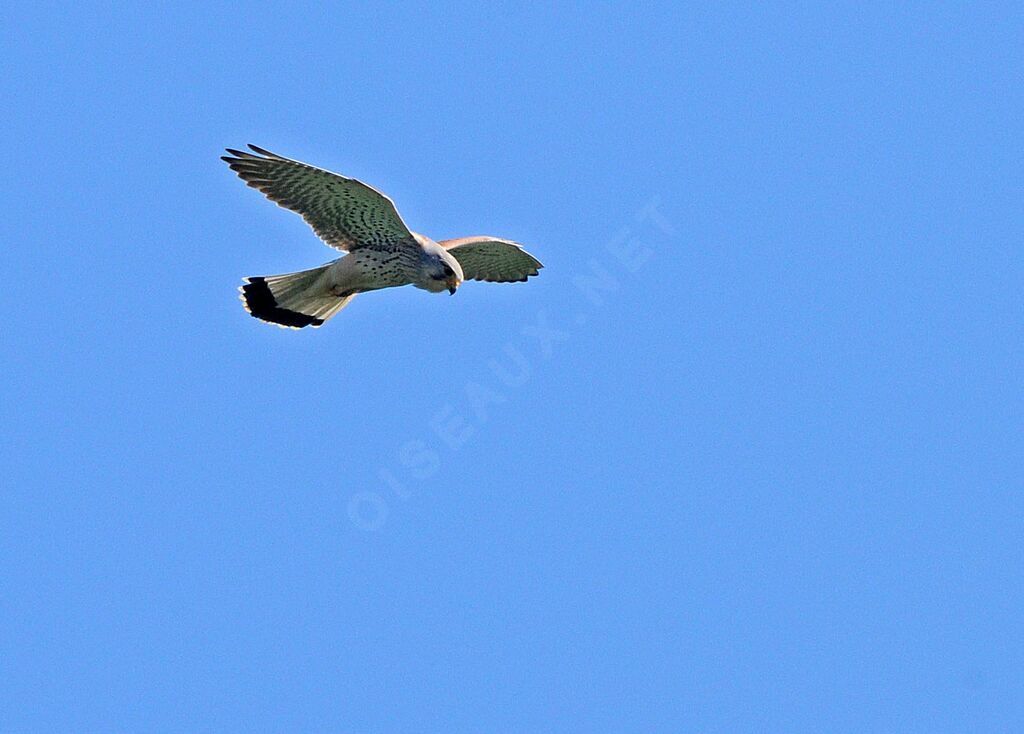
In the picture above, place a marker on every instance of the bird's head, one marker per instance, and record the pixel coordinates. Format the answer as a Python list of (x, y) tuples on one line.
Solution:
[(441, 268), (452, 275)]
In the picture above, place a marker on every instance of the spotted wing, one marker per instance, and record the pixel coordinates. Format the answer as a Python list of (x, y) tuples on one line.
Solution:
[(345, 213), (492, 259)]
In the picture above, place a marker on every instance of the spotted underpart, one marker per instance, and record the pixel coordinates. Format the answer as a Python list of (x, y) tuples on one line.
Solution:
[(346, 213), (379, 269)]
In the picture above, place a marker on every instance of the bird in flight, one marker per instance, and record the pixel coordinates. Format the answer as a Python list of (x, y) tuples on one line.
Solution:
[(381, 251)]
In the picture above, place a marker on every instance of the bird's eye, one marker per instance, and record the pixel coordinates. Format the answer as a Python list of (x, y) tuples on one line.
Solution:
[(448, 272)]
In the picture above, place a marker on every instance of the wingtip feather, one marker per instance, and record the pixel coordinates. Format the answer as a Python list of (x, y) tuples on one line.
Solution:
[(261, 151)]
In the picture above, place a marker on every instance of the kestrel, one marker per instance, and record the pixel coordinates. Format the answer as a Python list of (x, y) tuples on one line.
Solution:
[(381, 251)]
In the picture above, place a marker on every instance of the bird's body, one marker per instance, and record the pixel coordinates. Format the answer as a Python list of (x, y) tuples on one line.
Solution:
[(382, 251), (368, 270)]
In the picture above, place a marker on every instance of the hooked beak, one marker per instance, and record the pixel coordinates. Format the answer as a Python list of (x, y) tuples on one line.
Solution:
[(453, 284)]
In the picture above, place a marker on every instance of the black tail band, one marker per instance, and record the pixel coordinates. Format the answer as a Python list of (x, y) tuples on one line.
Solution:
[(261, 304)]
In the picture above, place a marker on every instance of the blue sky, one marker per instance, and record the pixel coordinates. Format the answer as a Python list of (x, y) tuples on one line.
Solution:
[(745, 457)]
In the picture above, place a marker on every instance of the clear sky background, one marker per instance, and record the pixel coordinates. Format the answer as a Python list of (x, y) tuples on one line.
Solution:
[(762, 473)]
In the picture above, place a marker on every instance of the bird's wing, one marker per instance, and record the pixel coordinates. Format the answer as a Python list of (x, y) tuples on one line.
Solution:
[(346, 213), (492, 259)]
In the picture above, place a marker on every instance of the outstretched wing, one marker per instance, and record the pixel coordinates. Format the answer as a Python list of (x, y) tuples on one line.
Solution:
[(492, 259), (346, 213)]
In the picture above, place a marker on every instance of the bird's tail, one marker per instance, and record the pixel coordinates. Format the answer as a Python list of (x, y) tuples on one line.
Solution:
[(293, 300)]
